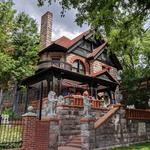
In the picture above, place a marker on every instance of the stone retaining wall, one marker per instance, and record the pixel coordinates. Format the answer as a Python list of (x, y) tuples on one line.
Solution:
[(69, 121), (117, 131)]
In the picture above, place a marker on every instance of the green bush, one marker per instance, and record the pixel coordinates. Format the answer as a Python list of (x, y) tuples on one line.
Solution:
[(137, 98), (12, 115)]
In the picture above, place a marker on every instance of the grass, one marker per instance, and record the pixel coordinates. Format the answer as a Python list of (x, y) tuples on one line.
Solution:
[(143, 146), (10, 136)]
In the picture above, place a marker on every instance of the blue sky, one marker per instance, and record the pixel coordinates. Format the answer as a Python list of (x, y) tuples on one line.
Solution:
[(61, 26)]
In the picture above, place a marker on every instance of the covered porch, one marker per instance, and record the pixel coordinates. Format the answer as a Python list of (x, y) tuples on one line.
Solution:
[(66, 83)]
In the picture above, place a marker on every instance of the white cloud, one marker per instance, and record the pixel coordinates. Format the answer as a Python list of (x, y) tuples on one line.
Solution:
[(61, 26)]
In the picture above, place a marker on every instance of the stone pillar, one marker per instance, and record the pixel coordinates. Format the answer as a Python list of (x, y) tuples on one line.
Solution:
[(53, 133), (88, 141), (29, 127)]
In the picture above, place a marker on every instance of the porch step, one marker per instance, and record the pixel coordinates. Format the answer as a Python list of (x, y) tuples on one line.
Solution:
[(74, 145), (75, 142)]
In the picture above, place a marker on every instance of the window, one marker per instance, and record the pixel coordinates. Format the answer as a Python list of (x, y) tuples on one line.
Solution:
[(78, 67), (56, 61)]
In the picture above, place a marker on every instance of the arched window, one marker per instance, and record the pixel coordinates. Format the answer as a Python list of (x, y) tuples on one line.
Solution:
[(78, 67)]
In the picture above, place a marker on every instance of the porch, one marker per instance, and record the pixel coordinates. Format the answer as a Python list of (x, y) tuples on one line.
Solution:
[(67, 83)]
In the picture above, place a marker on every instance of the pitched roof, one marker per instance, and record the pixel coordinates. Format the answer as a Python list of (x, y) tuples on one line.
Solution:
[(76, 39), (63, 41), (98, 73), (101, 72), (96, 50), (66, 42)]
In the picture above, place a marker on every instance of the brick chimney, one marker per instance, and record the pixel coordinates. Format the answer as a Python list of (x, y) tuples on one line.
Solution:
[(46, 29)]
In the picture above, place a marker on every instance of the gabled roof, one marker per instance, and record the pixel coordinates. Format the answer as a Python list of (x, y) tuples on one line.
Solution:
[(79, 37), (102, 72), (65, 42), (53, 48), (98, 73), (96, 50)]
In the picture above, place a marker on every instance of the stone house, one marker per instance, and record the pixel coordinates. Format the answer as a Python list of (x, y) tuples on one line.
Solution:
[(71, 66)]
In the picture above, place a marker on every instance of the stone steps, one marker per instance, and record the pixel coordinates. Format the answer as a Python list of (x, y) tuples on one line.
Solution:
[(75, 141)]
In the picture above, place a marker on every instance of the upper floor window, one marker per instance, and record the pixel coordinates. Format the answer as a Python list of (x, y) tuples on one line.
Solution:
[(78, 66), (56, 61)]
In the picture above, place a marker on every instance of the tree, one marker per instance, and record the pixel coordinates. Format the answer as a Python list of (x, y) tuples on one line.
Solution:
[(18, 46), (6, 25), (25, 41), (103, 13)]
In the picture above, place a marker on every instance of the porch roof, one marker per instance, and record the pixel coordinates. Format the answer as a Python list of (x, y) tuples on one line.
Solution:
[(66, 74)]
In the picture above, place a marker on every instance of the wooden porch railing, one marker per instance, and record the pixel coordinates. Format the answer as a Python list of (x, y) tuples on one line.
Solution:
[(75, 101), (137, 114)]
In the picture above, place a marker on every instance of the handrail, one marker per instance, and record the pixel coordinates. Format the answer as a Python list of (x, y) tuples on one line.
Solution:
[(104, 118), (137, 114)]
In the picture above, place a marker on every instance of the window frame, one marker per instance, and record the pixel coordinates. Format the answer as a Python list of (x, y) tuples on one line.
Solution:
[(79, 68)]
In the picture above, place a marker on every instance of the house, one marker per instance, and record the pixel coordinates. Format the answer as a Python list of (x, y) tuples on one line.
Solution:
[(71, 66)]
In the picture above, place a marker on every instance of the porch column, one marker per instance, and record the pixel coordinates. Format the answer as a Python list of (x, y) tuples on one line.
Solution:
[(110, 96), (49, 83), (41, 101), (27, 98), (48, 86), (60, 86), (96, 93)]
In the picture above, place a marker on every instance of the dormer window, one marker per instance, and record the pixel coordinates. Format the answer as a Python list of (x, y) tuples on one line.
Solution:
[(78, 66)]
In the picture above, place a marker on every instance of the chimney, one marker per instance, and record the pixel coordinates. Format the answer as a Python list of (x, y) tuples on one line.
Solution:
[(46, 29)]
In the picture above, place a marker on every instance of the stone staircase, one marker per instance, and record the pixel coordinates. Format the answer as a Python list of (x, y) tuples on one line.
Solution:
[(70, 131), (73, 144)]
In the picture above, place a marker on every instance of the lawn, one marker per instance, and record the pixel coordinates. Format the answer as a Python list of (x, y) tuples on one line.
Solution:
[(144, 146), (10, 136)]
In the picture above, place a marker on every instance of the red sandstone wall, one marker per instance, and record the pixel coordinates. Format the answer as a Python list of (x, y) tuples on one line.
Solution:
[(93, 66), (72, 57), (96, 66)]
